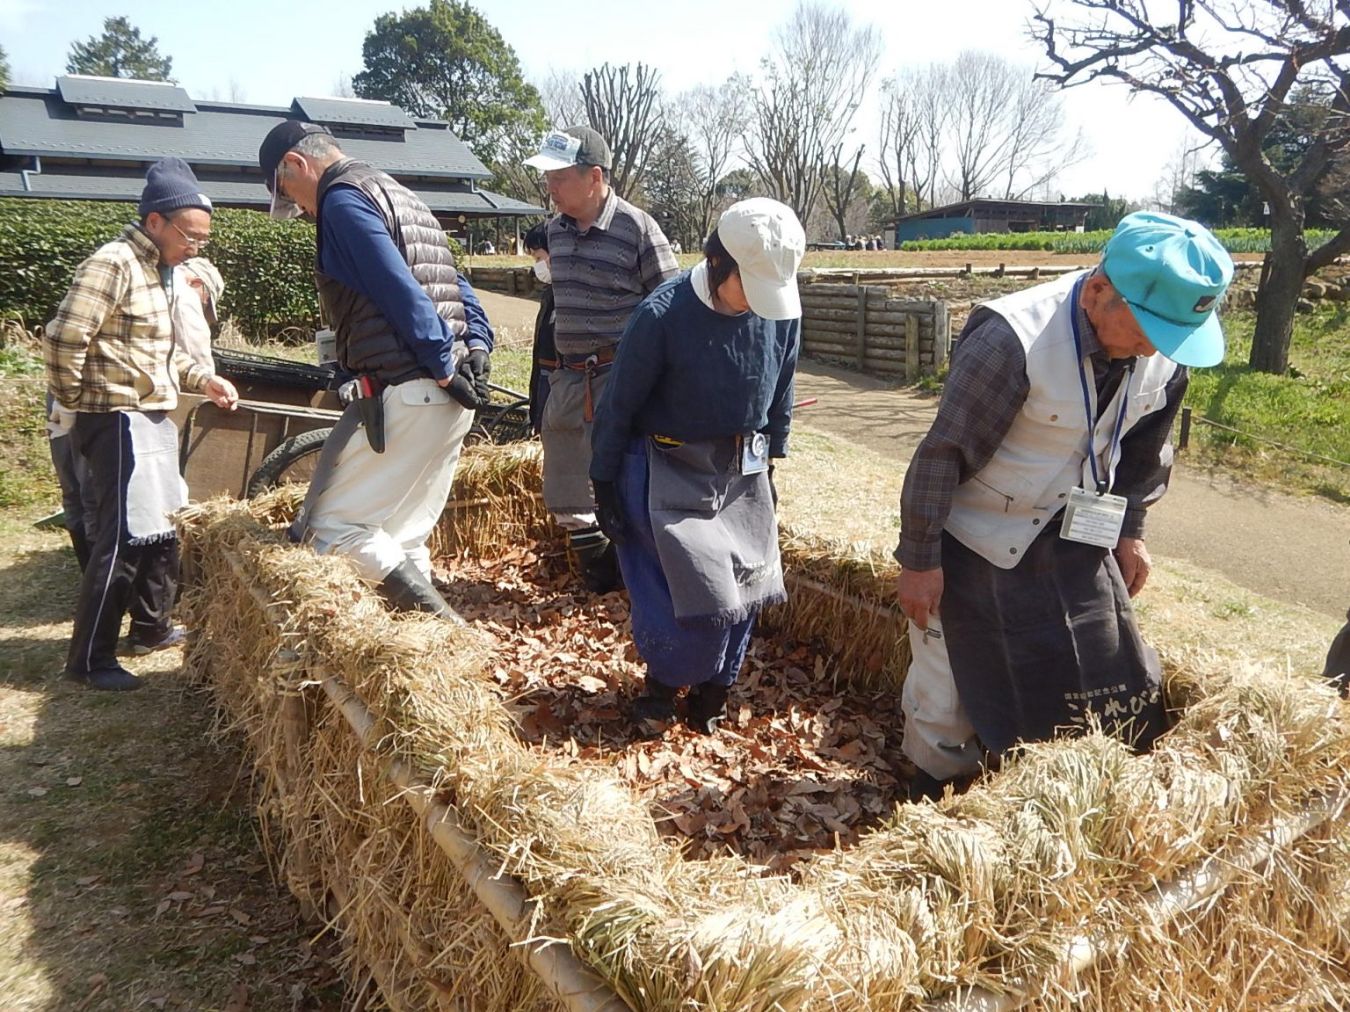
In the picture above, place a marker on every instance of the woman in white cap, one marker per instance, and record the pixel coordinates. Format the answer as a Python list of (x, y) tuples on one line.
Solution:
[(698, 405)]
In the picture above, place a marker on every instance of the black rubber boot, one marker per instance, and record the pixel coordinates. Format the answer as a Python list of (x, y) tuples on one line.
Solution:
[(596, 560), (925, 786), (406, 589), (706, 707), (657, 702)]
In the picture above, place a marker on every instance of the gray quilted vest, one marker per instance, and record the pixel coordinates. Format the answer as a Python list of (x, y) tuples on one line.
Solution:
[(366, 341)]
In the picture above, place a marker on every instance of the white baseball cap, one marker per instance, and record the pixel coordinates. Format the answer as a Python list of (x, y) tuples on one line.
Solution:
[(767, 242)]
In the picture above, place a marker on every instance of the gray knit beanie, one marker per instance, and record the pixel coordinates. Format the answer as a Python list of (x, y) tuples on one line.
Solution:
[(169, 185)]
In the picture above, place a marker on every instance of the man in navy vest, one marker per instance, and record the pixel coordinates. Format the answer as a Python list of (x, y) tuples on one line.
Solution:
[(1023, 509), (411, 332)]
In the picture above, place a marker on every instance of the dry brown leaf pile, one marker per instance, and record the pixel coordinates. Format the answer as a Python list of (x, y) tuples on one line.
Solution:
[(801, 765)]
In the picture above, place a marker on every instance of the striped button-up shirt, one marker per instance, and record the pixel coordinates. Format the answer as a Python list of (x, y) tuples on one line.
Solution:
[(602, 274), (111, 345)]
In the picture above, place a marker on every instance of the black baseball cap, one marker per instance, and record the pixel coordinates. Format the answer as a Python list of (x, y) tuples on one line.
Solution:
[(280, 139), (577, 145)]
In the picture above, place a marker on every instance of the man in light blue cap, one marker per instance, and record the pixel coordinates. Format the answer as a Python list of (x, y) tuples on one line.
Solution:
[(1023, 508)]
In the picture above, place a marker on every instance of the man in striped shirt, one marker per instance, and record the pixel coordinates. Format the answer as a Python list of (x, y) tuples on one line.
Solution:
[(605, 256)]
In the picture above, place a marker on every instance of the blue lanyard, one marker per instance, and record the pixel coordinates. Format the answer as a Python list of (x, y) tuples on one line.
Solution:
[(1102, 484)]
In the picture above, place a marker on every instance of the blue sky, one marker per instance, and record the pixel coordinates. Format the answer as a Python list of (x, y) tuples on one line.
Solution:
[(271, 51)]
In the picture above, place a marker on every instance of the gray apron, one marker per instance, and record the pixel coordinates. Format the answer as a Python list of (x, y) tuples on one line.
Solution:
[(566, 435), (715, 530), (1035, 649)]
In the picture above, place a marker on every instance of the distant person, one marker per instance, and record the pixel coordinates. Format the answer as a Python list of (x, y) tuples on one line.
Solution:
[(688, 496), (675, 247), (197, 289), (1023, 508), (605, 257), (544, 357), (114, 373), (486, 248)]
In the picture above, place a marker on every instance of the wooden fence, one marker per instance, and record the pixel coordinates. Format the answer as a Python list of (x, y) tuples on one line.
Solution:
[(867, 329)]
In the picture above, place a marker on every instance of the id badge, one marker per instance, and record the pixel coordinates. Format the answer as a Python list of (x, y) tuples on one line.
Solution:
[(1093, 519), (755, 454), (325, 341)]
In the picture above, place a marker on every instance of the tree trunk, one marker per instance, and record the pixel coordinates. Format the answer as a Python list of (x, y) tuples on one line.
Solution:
[(1277, 297)]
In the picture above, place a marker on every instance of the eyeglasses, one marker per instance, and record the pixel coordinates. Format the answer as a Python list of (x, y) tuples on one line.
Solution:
[(191, 240)]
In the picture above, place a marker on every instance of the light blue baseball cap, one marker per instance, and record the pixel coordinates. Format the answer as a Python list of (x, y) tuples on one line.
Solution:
[(1172, 273)]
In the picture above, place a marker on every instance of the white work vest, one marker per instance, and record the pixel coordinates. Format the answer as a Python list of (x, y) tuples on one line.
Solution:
[(1008, 502)]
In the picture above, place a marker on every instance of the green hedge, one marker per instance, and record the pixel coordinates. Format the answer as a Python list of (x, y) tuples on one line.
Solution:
[(268, 266), (1235, 240)]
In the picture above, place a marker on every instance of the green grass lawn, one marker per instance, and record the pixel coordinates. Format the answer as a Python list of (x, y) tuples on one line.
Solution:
[(1308, 409)]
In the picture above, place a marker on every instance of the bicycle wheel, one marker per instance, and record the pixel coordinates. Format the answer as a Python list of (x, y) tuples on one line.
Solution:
[(291, 462)]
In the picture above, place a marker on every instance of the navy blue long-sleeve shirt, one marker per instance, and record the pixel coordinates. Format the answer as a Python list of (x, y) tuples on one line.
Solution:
[(356, 249), (685, 371)]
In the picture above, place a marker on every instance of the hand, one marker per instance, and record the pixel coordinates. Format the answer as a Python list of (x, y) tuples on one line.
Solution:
[(222, 393), (1135, 564), (60, 421), (462, 390), (773, 489), (609, 511), (920, 593), (476, 368)]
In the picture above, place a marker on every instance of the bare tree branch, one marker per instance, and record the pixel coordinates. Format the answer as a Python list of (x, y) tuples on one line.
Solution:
[(714, 119), (623, 104), (1230, 68), (840, 184), (811, 87)]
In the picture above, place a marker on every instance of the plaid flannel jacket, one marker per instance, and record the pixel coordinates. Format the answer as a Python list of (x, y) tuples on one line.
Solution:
[(111, 346)]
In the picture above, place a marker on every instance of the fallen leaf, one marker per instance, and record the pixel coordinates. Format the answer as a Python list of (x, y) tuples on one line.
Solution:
[(179, 896), (195, 863), (247, 958), (37, 792), (87, 880), (74, 781), (239, 998), (240, 916)]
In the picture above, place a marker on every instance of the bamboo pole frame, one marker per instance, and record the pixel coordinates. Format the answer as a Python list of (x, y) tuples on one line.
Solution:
[(1167, 901), (580, 989), (573, 983)]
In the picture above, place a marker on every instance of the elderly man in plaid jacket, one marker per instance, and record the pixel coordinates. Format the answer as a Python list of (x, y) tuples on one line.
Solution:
[(114, 373)]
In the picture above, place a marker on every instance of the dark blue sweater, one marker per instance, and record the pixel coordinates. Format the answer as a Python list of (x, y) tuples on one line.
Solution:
[(357, 250), (685, 371)]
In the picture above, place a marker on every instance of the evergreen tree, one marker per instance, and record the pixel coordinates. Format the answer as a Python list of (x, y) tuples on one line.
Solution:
[(120, 52)]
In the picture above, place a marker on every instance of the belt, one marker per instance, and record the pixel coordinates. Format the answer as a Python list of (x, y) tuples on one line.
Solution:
[(595, 359), (592, 365)]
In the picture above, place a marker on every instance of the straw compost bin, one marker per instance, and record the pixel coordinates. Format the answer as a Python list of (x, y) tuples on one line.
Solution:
[(467, 809)]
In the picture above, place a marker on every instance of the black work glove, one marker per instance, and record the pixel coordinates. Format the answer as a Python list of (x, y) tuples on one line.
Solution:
[(476, 367), (609, 512), (461, 388), (773, 489)]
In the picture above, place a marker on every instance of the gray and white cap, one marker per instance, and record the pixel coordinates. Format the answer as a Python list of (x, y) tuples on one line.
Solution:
[(576, 145)]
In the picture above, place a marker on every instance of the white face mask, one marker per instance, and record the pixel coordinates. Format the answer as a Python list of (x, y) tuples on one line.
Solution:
[(542, 272)]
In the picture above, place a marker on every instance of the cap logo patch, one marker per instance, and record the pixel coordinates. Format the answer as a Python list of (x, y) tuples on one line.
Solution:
[(1203, 304), (561, 144)]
